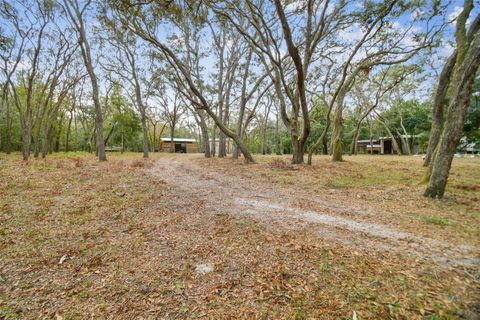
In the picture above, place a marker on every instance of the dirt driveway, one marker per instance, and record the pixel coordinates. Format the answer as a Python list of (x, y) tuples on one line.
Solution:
[(241, 193), (183, 237)]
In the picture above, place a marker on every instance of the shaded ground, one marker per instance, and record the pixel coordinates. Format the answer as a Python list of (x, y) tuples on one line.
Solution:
[(284, 241)]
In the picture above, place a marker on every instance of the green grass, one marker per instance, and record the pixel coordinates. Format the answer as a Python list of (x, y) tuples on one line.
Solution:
[(438, 221), (8, 314)]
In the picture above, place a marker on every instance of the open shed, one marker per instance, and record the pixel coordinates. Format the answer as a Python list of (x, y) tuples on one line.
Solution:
[(181, 145), (384, 145), (376, 146)]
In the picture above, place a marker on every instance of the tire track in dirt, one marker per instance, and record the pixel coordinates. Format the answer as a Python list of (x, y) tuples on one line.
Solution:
[(243, 197)]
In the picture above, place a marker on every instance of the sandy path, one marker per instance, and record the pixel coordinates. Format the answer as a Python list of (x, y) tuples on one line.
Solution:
[(236, 195)]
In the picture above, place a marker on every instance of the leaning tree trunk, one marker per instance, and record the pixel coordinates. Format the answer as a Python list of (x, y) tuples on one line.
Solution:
[(406, 140), (203, 102), (76, 16), (396, 146), (243, 102), (441, 94), (448, 143), (463, 79), (403, 143), (438, 105), (230, 134)]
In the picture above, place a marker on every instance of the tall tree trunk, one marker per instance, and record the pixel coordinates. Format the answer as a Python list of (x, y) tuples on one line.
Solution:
[(214, 143), (325, 145), (203, 102), (396, 146), (337, 144), (145, 135), (264, 134), (222, 146), (67, 134), (139, 100), (468, 61), (354, 146), (107, 139), (154, 138), (45, 140), (403, 143), (204, 131), (3, 102), (26, 139), (322, 140), (243, 102), (370, 133), (277, 136), (8, 134), (406, 139), (57, 137), (75, 14), (438, 106), (441, 94), (75, 129), (264, 128), (36, 140), (172, 143), (298, 151), (98, 121)]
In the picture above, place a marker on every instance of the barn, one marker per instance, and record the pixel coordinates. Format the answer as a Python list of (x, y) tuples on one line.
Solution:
[(181, 145)]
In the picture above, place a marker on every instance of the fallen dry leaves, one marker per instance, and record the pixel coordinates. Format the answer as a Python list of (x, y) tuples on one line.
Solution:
[(129, 244)]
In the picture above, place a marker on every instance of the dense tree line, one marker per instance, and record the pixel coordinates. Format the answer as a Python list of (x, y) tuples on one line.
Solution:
[(296, 77)]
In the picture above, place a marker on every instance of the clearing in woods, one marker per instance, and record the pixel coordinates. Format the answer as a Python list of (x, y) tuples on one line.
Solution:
[(180, 236)]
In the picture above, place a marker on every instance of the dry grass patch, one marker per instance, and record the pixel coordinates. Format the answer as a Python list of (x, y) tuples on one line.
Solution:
[(129, 245), (386, 189)]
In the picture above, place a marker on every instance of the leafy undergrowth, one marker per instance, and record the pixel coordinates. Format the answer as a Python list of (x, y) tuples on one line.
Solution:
[(129, 244)]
